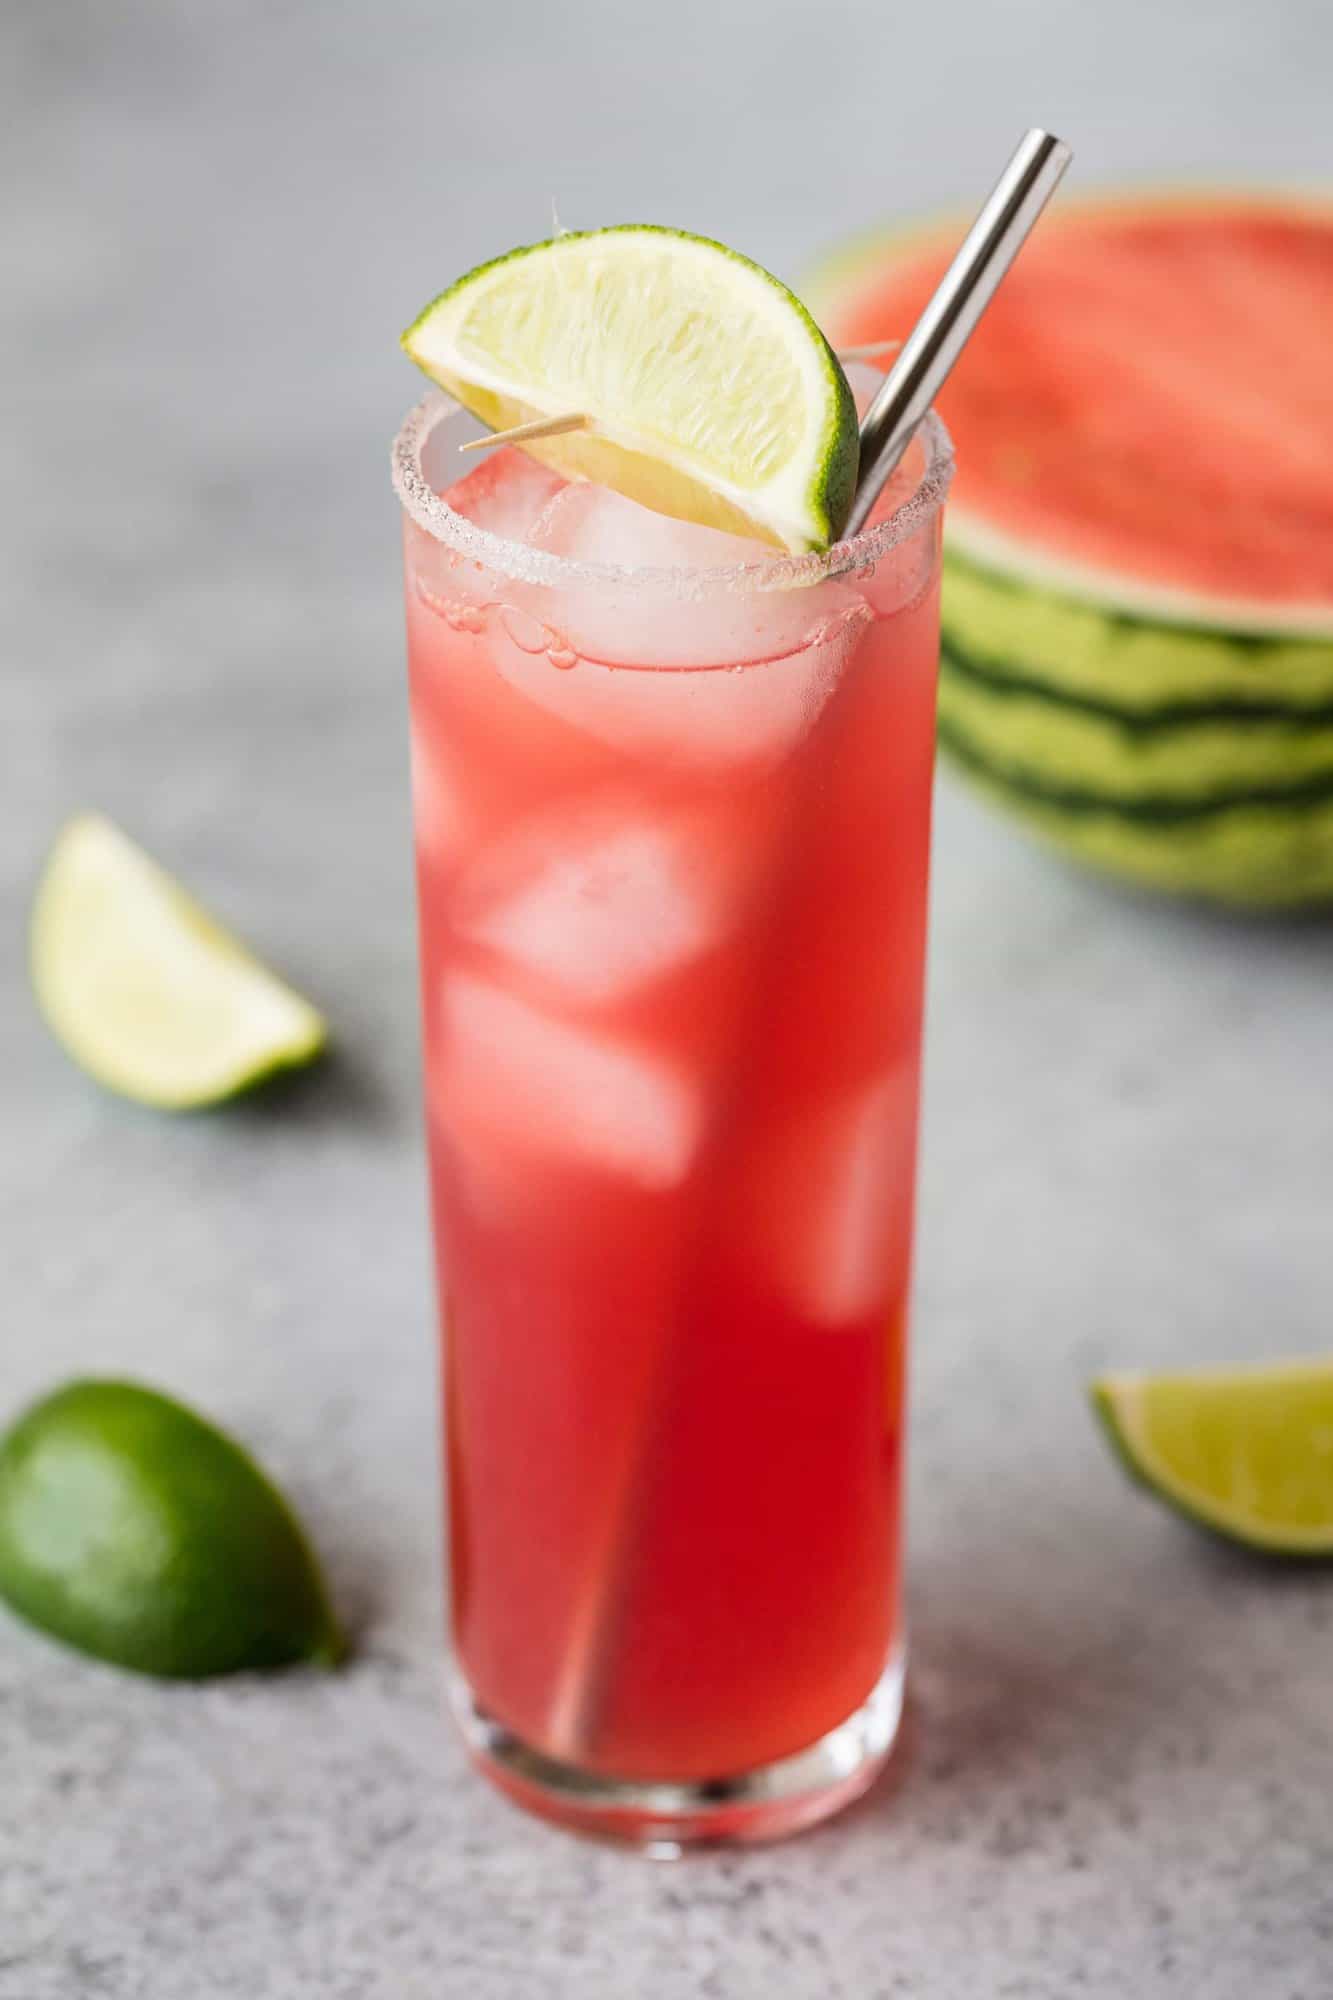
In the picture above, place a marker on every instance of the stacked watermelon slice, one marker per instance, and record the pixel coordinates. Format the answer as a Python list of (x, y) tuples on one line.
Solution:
[(1138, 607)]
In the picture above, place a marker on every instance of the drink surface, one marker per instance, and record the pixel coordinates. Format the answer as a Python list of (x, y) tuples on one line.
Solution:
[(672, 862)]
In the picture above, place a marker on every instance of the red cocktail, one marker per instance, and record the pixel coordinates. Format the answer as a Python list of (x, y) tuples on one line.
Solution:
[(672, 803)]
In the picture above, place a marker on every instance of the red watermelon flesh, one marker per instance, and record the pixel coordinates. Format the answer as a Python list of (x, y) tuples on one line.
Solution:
[(1147, 407)]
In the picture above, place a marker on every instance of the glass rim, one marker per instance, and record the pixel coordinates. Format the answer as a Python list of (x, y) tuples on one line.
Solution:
[(518, 562)]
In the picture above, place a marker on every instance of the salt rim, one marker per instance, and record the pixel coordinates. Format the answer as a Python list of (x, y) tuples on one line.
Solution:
[(527, 565)]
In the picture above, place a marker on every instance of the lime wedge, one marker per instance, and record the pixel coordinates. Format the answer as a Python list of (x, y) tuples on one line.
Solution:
[(712, 394), (144, 990), (136, 1532), (1247, 1452)]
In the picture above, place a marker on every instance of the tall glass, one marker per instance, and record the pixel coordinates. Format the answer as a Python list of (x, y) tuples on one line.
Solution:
[(672, 833)]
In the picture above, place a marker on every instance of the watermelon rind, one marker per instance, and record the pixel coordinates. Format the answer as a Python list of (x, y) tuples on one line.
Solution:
[(1189, 761)]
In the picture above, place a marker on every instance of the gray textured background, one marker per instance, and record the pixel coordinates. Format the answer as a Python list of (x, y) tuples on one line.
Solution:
[(1118, 1777)]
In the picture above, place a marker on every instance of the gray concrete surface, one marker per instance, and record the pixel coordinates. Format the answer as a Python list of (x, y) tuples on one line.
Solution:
[(1118, 1775)]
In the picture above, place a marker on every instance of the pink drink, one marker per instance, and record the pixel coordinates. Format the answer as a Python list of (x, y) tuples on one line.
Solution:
[(672, 841)]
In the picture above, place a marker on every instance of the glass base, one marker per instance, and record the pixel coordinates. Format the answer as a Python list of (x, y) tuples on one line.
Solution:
[(664, 1818)]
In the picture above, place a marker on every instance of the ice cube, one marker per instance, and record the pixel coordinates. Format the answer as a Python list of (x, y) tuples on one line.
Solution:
[(623, 662), (511, 1076), (707, 704), (601, 898), (590, 523), (633, 624), (830, 1202), (506, 493), (437, 811)]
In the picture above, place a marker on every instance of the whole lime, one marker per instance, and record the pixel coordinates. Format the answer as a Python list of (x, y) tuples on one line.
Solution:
[(136, 1532)]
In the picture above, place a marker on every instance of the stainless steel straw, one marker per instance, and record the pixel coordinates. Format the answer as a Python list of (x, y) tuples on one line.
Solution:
[(928, 354), (959, 300)]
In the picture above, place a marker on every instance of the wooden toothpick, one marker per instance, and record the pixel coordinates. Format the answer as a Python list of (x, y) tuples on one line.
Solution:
[(575, 420), (540, 427), (868, 350)]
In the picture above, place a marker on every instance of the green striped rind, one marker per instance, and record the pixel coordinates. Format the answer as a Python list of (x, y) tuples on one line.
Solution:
[(1129, 666), (1190, 761), (1257, 856), (1169, 764)]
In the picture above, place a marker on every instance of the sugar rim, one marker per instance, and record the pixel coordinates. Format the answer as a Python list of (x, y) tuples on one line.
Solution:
[(526, 565)]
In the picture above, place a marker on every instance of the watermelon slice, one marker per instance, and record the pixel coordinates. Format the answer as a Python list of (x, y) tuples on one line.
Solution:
[(1138, 610)]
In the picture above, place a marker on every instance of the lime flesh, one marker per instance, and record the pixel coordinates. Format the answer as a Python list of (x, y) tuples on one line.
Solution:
[(144, 990), (1247, 1452), (135, 1532), (711, 393)]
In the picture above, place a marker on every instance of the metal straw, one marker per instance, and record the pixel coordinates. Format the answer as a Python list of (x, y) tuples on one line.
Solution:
[(959, 300)]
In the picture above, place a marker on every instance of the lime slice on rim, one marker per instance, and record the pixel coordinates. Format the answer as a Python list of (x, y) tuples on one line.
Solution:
[(144, 990), (712, 394), (1247, 1452)]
